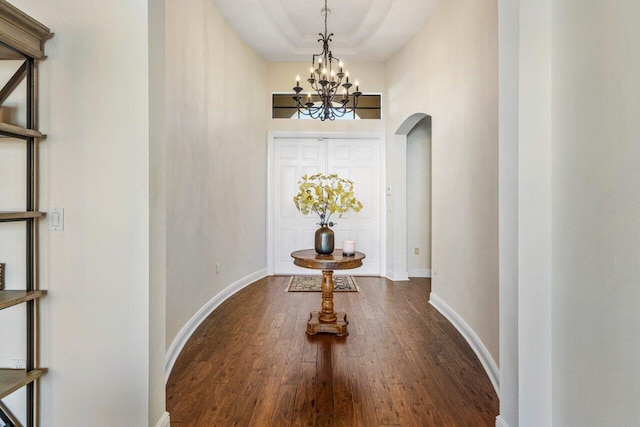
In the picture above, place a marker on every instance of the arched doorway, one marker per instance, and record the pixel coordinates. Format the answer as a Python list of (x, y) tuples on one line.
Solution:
[(419, 199), (399, 245)]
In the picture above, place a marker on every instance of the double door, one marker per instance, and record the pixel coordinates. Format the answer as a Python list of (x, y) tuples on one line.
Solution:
[(356, 159)]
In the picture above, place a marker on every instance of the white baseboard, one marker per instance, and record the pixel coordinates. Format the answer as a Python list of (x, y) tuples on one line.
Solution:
[(164, 421), (470, 336), (420, 273), (397, 276), (500, 422), (189, 328)]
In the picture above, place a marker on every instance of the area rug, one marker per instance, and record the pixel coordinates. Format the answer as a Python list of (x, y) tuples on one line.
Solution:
[(314, 284)]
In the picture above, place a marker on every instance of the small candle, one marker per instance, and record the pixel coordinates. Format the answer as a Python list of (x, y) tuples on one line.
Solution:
[(348, 247)]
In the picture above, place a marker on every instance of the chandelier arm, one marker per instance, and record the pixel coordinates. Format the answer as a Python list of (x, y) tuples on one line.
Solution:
[(325, 83)]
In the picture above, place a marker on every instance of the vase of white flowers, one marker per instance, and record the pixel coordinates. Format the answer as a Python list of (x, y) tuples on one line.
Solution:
[(326, 195)]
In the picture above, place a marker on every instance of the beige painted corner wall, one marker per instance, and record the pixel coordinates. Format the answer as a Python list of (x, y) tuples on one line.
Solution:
[(95, 110), (216, 97), (157, 212), (449, 70)]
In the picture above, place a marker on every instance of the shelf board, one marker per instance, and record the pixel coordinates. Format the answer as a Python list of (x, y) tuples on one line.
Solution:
[(7, 130), (19, 216), (11, 298), (12, 379)]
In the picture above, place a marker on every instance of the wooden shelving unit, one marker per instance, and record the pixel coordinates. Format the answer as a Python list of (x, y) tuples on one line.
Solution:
[(22, 39), (13, 379), (19, 216), (11, 298)]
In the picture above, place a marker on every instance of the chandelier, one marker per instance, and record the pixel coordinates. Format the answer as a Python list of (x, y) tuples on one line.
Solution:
[(326, 79)]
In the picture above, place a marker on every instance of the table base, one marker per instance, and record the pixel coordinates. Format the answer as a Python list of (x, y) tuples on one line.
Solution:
[(338, 327)]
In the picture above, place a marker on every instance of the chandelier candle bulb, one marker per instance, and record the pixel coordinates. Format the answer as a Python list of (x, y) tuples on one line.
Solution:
[(332, 104)]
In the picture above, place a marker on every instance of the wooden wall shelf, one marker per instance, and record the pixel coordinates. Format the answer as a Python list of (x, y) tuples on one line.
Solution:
[(13, 379), (11, 298), (20, 216), (12, 131)]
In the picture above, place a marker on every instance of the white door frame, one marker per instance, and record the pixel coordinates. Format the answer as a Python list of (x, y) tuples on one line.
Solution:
[(327, 135)]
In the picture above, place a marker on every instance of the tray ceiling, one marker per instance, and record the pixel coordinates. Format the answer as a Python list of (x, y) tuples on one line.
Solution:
[(365, 30)]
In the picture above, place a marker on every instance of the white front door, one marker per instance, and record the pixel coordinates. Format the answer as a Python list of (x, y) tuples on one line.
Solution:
[(354, 159)]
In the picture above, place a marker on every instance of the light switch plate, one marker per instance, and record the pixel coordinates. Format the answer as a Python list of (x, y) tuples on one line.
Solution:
[(56, 219)]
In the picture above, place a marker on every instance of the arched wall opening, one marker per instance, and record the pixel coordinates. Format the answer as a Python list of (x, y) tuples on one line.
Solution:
[(405, 222), (419, 199)]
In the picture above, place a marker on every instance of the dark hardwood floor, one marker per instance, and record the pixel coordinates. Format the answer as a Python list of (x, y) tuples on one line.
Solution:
[(403, 364)]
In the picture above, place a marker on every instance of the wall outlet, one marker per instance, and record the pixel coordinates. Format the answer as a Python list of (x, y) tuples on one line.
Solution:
[(2, 270), (416, 251), (18, 364)]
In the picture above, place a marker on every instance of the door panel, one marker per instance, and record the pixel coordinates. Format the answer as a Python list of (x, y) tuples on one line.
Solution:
[(354, 159), (292, 230), (358, 160)]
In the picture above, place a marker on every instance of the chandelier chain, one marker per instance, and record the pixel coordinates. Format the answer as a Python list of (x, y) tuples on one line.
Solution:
[(326, 103)]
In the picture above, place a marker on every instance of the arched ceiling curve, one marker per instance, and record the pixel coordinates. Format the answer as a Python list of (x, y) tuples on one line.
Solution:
[(364, 30)]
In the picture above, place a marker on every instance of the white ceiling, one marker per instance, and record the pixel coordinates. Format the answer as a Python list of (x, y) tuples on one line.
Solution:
[(364, 30)]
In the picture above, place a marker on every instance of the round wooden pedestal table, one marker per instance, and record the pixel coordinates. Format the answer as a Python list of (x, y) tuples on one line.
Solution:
[(326, 320)]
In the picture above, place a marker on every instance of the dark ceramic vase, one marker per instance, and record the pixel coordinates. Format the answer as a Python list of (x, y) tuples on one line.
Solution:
[(324, 240)]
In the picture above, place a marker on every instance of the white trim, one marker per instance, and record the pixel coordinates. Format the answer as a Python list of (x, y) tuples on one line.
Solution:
[(189, 328), (397, 276), (272, 135), (425, 272), (470, 336), (164, 421), (500, 422)]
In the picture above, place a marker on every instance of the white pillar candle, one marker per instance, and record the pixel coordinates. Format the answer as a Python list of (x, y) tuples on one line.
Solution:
[(348, 247)]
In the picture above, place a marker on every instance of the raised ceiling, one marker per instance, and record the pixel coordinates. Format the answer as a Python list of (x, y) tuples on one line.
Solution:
[(365, 30)]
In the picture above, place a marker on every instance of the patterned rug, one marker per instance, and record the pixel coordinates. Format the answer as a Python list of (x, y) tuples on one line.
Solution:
[(314, 284)]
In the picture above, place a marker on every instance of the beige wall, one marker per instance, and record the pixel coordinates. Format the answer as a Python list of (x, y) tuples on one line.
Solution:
[(595, 188), (449, 71), (157, 211), (216, 97), (94, 109)]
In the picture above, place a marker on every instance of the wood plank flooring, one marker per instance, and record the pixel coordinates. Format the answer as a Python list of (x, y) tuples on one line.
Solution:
[(250, 363)]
